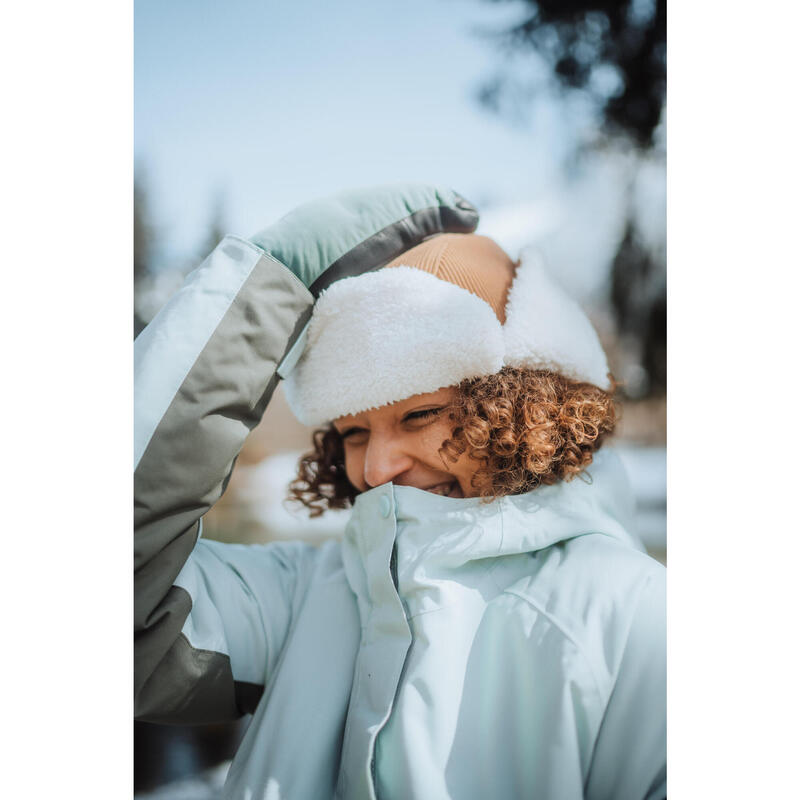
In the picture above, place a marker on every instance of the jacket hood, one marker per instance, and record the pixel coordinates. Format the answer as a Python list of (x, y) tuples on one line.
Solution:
[(452, 531)]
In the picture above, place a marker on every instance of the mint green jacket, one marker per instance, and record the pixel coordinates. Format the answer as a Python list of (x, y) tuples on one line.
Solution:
[(446, 648)]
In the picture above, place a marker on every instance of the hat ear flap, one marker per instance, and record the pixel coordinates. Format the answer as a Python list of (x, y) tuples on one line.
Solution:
[(546, 329)]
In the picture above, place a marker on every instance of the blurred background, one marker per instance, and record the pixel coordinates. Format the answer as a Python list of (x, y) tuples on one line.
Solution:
[(548, 116)]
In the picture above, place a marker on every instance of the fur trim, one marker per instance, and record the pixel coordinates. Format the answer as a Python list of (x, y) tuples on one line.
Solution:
[(387, 335), (390, 334), (546, 329)]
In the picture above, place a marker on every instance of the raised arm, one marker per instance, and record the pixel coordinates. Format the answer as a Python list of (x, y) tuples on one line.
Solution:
[(210, 619)]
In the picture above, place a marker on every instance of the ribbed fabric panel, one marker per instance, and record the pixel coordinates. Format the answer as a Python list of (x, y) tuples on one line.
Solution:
[(473, 262)]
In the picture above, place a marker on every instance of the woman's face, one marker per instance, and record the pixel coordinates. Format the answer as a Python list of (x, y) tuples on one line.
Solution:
[(400, 443)]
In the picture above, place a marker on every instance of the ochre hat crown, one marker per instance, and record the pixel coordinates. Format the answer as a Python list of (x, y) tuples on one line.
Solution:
[(473, 262)]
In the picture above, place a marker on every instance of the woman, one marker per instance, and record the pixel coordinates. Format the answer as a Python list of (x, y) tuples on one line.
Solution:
[(487, 627)]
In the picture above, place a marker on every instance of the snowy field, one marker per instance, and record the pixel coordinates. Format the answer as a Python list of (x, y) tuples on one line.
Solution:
[(647, 471)]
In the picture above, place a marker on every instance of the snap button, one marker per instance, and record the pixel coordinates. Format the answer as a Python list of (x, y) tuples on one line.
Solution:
[(385, 505)]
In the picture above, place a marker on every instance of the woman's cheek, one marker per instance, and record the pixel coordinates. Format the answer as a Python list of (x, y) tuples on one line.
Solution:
[(438, 433)]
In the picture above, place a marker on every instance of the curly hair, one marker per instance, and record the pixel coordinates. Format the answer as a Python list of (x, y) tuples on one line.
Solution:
[(524, 427)]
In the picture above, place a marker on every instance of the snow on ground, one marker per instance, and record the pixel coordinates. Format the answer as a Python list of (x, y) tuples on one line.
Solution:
[(647, 472), (264, 490)]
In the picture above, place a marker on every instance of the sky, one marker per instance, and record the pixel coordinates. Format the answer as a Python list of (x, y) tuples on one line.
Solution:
[(257, 107), (267, 105)]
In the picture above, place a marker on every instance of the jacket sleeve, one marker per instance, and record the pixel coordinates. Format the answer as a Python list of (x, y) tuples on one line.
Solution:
[(630, 755), (204, 373)]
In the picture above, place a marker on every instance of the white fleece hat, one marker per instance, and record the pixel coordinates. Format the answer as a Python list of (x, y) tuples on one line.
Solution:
[(451, 308)]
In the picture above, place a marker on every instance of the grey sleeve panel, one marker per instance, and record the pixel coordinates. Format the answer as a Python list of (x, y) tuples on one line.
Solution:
[(380, 248), (244, 600), (214, 640), (190, 443), (175, 682), (167, 349), (190, 454), (189, 686), (630, 757)]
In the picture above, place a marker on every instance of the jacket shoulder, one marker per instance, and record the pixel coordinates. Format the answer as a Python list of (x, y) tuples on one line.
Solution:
[(592, 589)]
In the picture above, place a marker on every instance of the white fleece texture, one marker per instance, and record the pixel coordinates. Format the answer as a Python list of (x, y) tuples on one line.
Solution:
[(546, 329), (387, 335)]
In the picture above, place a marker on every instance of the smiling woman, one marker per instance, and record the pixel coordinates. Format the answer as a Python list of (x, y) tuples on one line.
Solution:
[(500, 434), (487, 626)]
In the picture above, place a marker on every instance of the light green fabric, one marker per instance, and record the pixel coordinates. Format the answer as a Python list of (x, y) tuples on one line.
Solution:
[(315, 235), (504, 650), (491, 669)]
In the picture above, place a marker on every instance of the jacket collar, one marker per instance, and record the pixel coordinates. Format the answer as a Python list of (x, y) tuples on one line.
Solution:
[(452, 531)]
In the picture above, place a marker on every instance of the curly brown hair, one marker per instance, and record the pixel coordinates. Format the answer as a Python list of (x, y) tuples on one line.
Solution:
[(524, 427)]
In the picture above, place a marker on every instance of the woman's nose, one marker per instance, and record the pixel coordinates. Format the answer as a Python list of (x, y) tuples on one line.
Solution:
[(385, 459)]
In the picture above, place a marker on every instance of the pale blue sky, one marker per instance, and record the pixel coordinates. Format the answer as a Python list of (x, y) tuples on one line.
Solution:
[(275, 103)]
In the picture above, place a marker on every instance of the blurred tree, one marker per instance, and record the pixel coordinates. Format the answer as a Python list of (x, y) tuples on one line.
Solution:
[(217, 225), (614, 53), (639, 299), (615, 50), (143, 244), (154, 284)]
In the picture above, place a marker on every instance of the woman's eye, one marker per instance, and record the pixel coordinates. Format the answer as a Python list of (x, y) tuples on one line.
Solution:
[(422, 414), (354, 435)]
